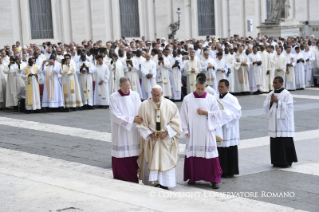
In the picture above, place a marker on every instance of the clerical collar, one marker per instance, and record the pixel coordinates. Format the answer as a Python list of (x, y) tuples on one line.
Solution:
[(198, 96), (123, 94), (222, 95), (279, 90)]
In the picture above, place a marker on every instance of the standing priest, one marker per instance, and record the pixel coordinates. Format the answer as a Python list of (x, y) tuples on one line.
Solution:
[(124, 106), (201, 155), (279, 109)]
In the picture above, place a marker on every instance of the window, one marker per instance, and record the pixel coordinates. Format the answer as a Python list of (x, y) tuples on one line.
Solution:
[(268, 8), (130, 26), (41, 19), (206, 17)]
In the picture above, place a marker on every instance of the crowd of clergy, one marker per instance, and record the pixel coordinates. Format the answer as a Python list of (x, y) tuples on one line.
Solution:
[(139, 80)]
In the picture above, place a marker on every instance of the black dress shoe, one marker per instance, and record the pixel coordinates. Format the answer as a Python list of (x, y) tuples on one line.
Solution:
[(162, 187), (215, 186)]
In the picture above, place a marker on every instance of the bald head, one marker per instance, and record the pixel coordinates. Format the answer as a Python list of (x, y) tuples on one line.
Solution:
[(147, 56)]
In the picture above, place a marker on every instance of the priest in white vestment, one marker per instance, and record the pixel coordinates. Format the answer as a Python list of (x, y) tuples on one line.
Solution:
[(281, 129), (192, 68), (31, 74), (309, 58), (175, 76), (3, 84), (272, 65), (221, 69), (229, 60), (131, 68), (299, 69), (208, 64), (229, 125), (290, 72), (124, 107), (255, 72), (201, 154), (140, 60), (70, 85), (101, 92), (118, 71), (280, 67), (110, 61), (85, 71), (162, 76), (241, 69), (148, 68), (160, 131), (52, 91), (264, 56)]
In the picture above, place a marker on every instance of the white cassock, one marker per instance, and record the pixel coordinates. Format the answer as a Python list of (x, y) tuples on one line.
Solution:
[(32, 101), (3, 84), (299, 71), (108, 61), (230, 120), (230, 59), (308, 68), (70, 86), (148, 67), (140, 60), (175, 77), (52, 91), (86, 82), (264, 56), (255, 73), (189, 65), (211, 78), (14, 87), (162, 77), (280, 64), (220, 64), (290, 75), (101, 92), (280, 115), (118, 74), (271, 67), (241, 73), (202, 141), (131, 72)]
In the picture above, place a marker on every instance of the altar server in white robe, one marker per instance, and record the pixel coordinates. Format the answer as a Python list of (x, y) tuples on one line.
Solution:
[(131, 69), (101, 92), (229, 60), (229, 125), (309, 58), (241, 69), (208, 88), (221, 69), (162, 76), (208, 68), (160, 130), (175, 76), (280, 67), (70, 84), (264, 57), (3, 84), (148, 68), (124, 106), (299, 69), (85, 71), (201, 154), (31, 74), (14, 85), (52, 91), (290, 73), (279, 109), (255, 72)]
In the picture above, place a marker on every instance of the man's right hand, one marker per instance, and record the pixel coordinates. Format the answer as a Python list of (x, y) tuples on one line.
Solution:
[(138, 120), (153, 136)]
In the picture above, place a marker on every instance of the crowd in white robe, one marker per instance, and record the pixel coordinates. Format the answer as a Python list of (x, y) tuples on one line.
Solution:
[(170, 66)]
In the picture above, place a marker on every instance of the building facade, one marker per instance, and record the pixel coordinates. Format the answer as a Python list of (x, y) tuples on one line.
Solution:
[(37, 21)]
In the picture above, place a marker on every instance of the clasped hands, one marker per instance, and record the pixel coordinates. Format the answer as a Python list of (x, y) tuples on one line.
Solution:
[(273, 98), (163, 135)]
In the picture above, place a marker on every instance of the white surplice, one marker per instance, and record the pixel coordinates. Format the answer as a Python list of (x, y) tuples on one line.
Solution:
[(280, 115), (299, 71), (308, 68), (131, 72), (52, 90), (264, 56), (230, 120), (36, 101), (255, 73), (101, 92), (162, 77), (202, 141), (290, 76), (211, 78), (148, 67), (86, 81), (175, 77), (125, 136)]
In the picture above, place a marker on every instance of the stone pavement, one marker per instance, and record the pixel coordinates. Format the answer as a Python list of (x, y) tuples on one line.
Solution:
[(61, 162)]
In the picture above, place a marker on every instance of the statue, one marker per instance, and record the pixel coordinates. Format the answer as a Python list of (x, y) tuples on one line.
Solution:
[(279, 10)]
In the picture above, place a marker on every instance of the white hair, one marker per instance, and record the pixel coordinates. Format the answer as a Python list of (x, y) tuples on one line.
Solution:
[(156, 86)]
